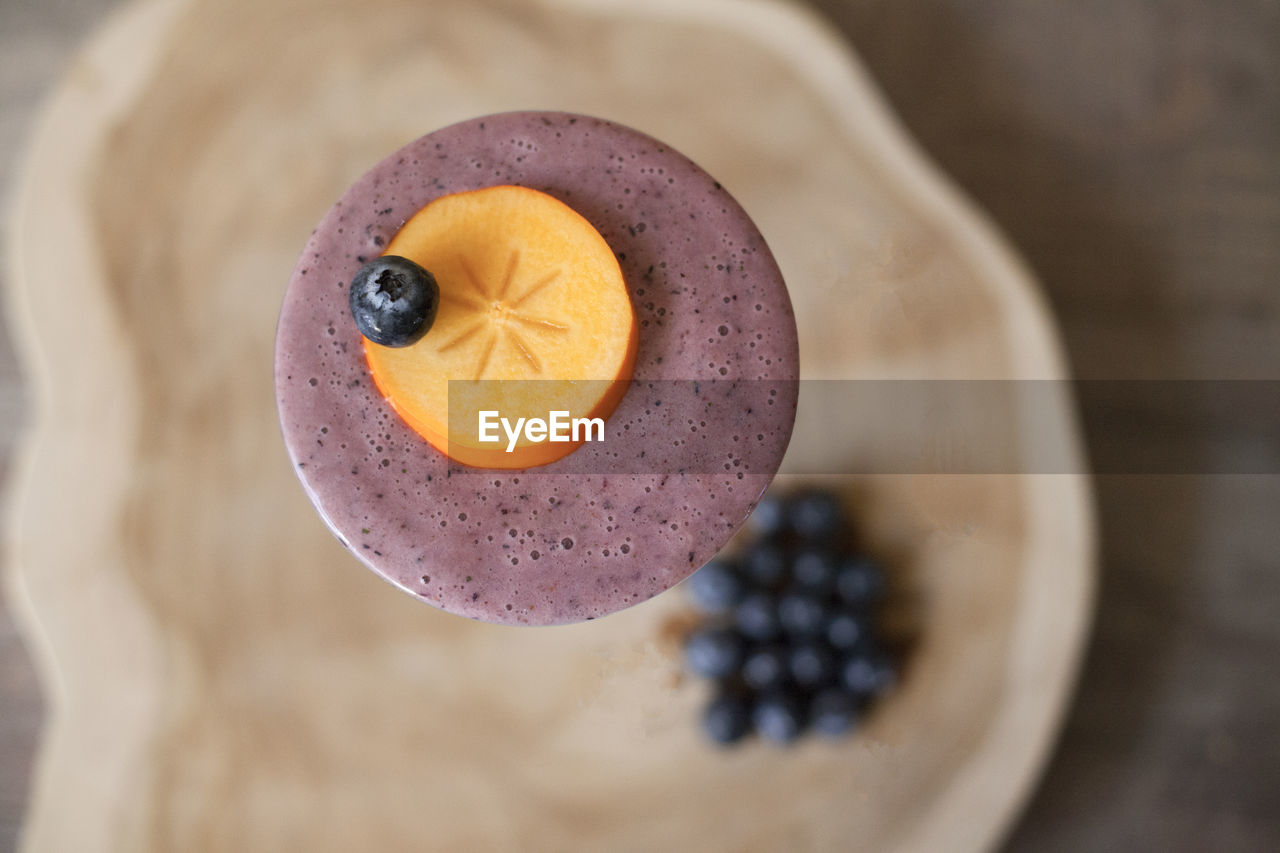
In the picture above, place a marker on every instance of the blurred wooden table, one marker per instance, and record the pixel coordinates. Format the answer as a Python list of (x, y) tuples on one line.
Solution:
[(1131, 150)]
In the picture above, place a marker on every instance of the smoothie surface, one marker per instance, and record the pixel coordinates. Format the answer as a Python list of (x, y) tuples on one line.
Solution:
[(699, 433)]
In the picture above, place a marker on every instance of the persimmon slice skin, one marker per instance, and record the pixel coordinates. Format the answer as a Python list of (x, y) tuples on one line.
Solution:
[(534, 317)]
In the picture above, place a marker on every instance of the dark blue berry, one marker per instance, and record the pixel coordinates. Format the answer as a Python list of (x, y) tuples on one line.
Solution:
[(393, 301), (812, 664), (727, 718), (713, 652), (716, 587), (833, 712), (814, 570), (778, 716), (845, 629), (867, 673), (801, 614), (765, 565), (765, 668), (757, 616), (817, 516), (769, 519), (859, 582)]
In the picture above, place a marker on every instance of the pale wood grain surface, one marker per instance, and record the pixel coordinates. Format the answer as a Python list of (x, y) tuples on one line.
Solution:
[(37, 38), (199, 606), (1131, 151)]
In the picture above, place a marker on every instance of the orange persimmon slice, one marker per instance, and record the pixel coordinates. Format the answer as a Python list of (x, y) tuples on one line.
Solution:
[(534, 318)]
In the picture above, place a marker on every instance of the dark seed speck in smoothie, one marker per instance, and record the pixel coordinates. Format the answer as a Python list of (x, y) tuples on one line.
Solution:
[(571, 540)]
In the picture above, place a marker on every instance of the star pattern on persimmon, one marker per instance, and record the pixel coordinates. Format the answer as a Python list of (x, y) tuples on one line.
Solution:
[(500, 317)]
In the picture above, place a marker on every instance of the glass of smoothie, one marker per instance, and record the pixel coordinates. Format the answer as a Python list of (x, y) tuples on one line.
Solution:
[(583, 282)]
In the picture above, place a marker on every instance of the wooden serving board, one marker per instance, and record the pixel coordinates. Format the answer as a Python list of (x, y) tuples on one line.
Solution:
[(222, 676)]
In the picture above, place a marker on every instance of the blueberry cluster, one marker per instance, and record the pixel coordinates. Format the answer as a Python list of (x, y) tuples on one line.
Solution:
[(791, 637)]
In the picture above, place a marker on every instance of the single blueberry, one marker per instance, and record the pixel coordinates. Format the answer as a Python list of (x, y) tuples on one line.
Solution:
[(716, 587), (833, 712), (845, 629), (765, 565), (713, 652), (393, 301), (801, 614), (756, 616), (867, 672), (727, 718), (769, 519), (817, 515), (765, 668), (812, 664), (778, 716), (859, 582), (815, 570)]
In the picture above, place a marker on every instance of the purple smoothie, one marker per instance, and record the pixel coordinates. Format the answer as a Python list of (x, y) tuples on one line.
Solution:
[(612, 524)]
